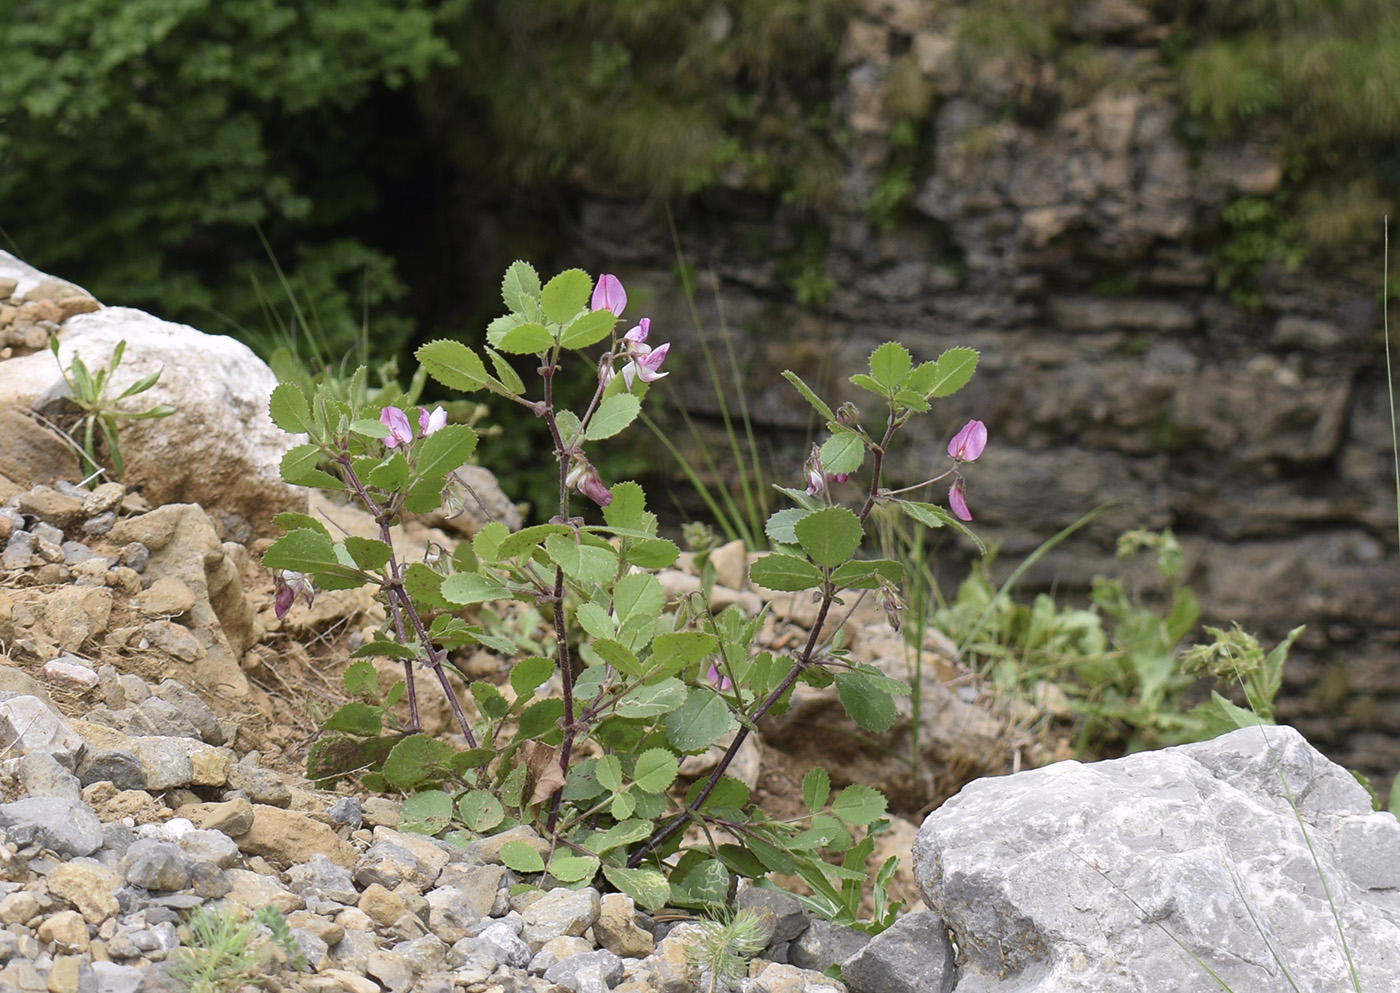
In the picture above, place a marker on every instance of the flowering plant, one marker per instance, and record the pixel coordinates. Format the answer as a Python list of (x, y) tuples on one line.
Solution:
[(584, 743)]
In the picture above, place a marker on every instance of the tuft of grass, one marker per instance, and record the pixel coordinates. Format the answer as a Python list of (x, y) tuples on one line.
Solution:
[(721, 949), (222, 953)]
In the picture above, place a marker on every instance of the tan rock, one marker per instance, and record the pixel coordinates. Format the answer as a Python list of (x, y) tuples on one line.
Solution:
[(166, 597), (381, 905), (286, 838), (67, 930), (253, 890), (616, 928), (88, 887), (63, 974), (350, 982), (232, 817), (74, 614), (19, 908)]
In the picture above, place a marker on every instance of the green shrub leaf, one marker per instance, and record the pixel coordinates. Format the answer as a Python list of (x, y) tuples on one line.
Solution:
[(521, 856), (453, 364), (647, 887), (788, 573), (829, 536)]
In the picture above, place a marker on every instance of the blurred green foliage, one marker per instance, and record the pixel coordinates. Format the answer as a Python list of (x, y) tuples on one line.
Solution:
[(142, 140)]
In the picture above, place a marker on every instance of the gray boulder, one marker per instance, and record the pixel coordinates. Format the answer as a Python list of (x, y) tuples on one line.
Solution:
[(1165, 870)]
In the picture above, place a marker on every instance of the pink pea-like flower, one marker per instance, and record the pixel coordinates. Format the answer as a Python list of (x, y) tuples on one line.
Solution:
[(717, 679), (957, 499), (584, 479), (400, 433), (644, 361), (967, 444), (430, 422), (287, 586), (609, 295)]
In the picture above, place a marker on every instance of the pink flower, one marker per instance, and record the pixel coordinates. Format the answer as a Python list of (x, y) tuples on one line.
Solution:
[(288, 585), (397, 422), (967, 444), (585, 479), (431, 422), (715, 678), (957, 499), (816, 478), (609, 295), (644, 361)]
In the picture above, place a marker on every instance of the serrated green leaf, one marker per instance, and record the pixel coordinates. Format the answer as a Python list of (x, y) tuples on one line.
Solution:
[(289, 409), (863, 574), (647, 887), (787, 573), (383, 648), (627, 508), (291, 522), (955, 367), (527, 675), (369, 554), (619, 656), (521, 856), (705, 885), (526, 339), (356, 717), (656, 770), (608, 771), (453, 364), (830, 537), (698, 723), (613, 415), (844, 452), (779, 526), (653, 700), (869, 705), (525, 540), (505, 372), (480, 811), (573, 868), (520, 289), (565, 295), (623, 806), (580, 560), (416, 760), (424, 585), (817, 403), (489, 701), (391, 474), (858, 805), (473, 587), (540, 719), (369, 427), (651, 553), (638, 593), (673, 651), (588, 329), (428, 812), (298, 467), (302, 550), (889, 364), (596, 621), (934, 516), (445, 451), (871, 385), (360, 679), (627, 832), (816, 789)]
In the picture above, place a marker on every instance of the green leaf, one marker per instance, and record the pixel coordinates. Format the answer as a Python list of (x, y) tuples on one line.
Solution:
[(526, 339), (656, 770), (698, 723), (858, 805), (705, 885), (788, 573), (580, 560), (453, 364), (425, 586), (869, 705), (524, 541), (521, 856), (540, 719), (613, 415), (955, 367), (817, 403), (728, 792), (608, 772), (480, 811), (647, 887), (565, 295), (844, 452), (651, 553), (934, 516), (673, 651), (587, 329), (527, 675), (628, 507), (651, 701), (871, 385), (302, 550), (638, 593), (816, 788), (356, 717), (573, 868), (427, 813), (627, 832), (779, 526), (298, 467), (291, 522), (619, 656), (369, 554), (416, 760), (831, 536), (391, 474), (889, 364), (864, 574), (595, 620), (289, 409), (445, 451), (520, 289), (489, 701), (1235, 716), (505, 372), (361, 679), (473, 587), (382, 648)]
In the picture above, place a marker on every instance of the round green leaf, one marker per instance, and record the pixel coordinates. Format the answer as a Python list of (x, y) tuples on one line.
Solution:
[(647, 887), (829, 536), (427, 813), (565, 295), (844, 452), (573, 868), (613, 415), (480, 811), (656, 770), (608, 772), (527, 339), (788, 573), (858, 805), (521, 856)]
